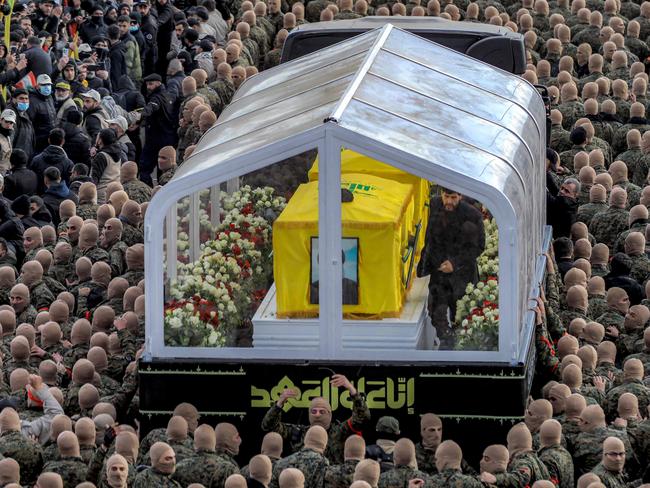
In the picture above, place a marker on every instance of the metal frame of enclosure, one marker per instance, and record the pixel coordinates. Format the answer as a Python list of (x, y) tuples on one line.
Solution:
[(397, 98)]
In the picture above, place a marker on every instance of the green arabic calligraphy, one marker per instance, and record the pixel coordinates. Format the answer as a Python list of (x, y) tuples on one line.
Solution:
[(381, 394)]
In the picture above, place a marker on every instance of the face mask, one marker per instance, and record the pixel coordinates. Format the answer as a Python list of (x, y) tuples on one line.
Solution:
[(45, 90), (22, 106), (96, 20), (90, 75), (133, 28)]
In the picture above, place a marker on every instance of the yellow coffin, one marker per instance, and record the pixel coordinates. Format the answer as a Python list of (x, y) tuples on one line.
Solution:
[(353, 162), (375, 249)]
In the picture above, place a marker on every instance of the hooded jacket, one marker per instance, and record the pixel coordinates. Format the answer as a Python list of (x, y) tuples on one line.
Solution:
[(127, 95), (20, 181), (23, 132), (77, 143), (53, 197), (11, 228), (51, 156)]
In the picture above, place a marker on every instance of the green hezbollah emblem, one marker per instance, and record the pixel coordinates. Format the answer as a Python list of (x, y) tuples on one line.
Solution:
[(360, 188), (388, 393)]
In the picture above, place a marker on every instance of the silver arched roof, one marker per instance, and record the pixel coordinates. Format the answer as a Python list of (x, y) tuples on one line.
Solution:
[(408, 102)]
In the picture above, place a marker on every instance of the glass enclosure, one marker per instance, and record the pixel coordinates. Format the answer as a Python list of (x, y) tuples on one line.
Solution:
[(351, 214)]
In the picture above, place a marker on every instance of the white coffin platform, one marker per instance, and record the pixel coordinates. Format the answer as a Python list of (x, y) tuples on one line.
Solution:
[(411, 330)]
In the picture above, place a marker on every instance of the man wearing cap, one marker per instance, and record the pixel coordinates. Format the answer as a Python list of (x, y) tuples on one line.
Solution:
[(7, 123), (23, 130), (95, 118), (63, 102), (387, 434), (454, 240), (160, 125), (120, 126), (41, 111)]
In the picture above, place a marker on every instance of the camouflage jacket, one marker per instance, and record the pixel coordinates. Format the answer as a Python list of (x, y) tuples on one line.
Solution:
[(571, 111), (587, 211), (89, 302), (117, 258), (272, 58), (597, 305), (427, 461), (134, 276), (72, 355), (399, 477), (599, 270), (589, 448), (293, 434), (633, 193), (155, 435), (611, 318), (166, 176), (95, 254), (87, 210), (197, 469), (637, 226), (151, 478), (41, 296), (181, 450), (644, 357), (131, 235), (609, 478), (637, 168), (72, 470), (559, 464), (606, 226), (311, 463), (137, 190), (454, 478), (633, 386), (640, 268), (340, 475), (523, 470), (26, 452)]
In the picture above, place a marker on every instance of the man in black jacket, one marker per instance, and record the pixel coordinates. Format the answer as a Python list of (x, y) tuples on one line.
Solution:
[(43, 19), (562, 207), (116, 55), (23, 129), (160, 125), (76, 142), (56, 191), (165, 16), (454, 240), (38, 61), (42, 112), (52, 156), (149, 30), (20, 180), (94, 115), (94, 26)]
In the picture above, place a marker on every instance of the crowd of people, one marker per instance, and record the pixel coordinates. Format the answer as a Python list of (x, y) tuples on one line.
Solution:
[(105, 100)]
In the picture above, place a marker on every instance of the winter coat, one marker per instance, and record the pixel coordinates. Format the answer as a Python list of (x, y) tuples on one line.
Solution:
[(43, 116), (11, 228), (53, 197), (51, 156), (23, 132), (38, 61), (20, 181), (127, 96), (77, 144)]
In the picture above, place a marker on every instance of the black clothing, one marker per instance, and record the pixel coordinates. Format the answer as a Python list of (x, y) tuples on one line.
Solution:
[(53, 197), (118, 62), (99, 162), (160, 129), (77, 144), (38, 61), (43, 116), (11, 229), (127, 96), (456, 236), (619, 276), (77, 182), (20, 181), (51, 156), (91, 28), (165, 29), (93, 122), (561, 213), (23, 132), (149, 54)]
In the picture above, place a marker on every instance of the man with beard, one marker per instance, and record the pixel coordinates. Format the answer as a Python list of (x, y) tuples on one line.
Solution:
[(63, 102), (95, 118), (160, 125), (454, 240), (320, 413)]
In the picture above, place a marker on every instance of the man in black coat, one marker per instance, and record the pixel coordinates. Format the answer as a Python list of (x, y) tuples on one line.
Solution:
[(454, 240), (562, 207), (149, 29), (42, 111), (12, 228), (76, 142), (42, 18), (56, 191), (117, 56), (165, 23), (160, 125), (20, 180), (94, 26), (52, 156), (23, 129), (38, 61)]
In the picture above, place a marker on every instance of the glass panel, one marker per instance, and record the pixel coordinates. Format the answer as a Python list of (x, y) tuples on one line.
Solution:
[(224, 280)]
